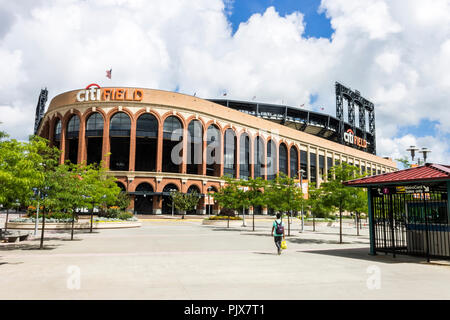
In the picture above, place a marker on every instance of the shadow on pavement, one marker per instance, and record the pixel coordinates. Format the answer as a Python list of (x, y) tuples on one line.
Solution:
[(27, 246), (363, 254), (321, 241)]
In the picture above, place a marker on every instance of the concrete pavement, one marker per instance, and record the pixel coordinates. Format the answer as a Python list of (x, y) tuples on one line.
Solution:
[(183, 259)]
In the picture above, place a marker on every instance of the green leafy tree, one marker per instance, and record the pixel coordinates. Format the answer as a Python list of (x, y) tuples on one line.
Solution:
[(335, 194), (283, 195), (185, 201), (316, 203), (405, 162), (358, 205), (253, 194)]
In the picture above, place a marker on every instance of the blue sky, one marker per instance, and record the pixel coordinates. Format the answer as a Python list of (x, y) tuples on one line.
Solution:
[(317, 25)]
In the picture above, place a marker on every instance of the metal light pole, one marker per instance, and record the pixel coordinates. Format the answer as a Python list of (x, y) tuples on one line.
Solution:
[(172, 190), (424, 152), (36, 222), (209, 202), (413, 150), (300, 175)]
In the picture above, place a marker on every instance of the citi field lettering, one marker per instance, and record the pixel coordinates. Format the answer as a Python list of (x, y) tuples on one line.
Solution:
[(93, 92), (350, 137)]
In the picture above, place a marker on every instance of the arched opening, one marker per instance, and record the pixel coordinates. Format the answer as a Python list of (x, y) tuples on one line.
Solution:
[(121, 186), (213, 151), (229, 168), (57, 134), (304, 164), (192, 189), (146, 142), (271, 160), (259, 158), (172, 157), (283, 160), (211, 206), (73, 130), (119, 133), (195, 147), (94, 138), (143, 199), (244, 156), (167, 207), (294, 162)]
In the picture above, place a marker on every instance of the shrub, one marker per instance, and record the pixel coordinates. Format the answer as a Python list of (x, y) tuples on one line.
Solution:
[(125, 216), (227, 212), (224, 218)]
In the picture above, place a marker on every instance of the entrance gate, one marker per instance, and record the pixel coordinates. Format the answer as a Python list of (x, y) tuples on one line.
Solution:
[(411, 219)]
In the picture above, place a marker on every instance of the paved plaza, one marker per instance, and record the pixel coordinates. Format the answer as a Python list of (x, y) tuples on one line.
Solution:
[(175, 259)]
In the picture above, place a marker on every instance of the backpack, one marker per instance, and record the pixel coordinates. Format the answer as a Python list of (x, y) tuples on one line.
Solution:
[(280, 228)]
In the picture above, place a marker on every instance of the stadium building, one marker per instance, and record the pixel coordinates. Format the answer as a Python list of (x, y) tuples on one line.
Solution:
[(155, 141)]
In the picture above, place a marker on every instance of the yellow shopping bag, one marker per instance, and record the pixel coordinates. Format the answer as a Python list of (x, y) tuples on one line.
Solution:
[(283, 244)]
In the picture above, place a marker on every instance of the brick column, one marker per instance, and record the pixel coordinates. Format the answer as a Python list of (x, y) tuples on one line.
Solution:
[(159, 149), (308, 166), (237, 156), (221, 153), (288, 151), (132, 158), (82, 154), (317, 168), (106, 144), (184, 151), (62, 143), (252, 157)]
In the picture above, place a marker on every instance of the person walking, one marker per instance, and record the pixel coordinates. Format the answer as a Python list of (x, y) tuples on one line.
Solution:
[(278, 232)]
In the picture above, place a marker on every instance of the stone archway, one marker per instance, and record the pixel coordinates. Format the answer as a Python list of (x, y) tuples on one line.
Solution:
[(143, 201)]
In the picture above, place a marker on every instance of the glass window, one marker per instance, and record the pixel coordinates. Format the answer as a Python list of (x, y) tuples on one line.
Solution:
[(229, 153), (294, 162), (271, 160), (94, 125), (283, 159), (73, 127), (120, 125), (147, 126), (173, 129), (244, 157)]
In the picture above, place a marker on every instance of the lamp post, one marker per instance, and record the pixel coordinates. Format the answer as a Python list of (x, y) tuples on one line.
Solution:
[(172, 190), (413, 150), (209, 202), (424, 152), (300, 175)]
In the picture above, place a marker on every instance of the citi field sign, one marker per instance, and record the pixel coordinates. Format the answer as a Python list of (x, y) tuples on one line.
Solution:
[(350, 138), (94, 92)]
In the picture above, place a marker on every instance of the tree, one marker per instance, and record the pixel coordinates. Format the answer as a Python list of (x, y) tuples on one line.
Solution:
[(253, 195), (185, 201), (405, 162), (335, 194), (316, 204), (283, 195), (358, 204)]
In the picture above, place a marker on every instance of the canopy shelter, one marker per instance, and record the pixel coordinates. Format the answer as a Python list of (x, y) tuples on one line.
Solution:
[(409, 211)]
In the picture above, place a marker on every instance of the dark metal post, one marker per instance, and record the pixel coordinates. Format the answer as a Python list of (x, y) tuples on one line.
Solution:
[(391, 218), (7, 216), (426, 224), (43, 227), (73, 222), (371, 222)]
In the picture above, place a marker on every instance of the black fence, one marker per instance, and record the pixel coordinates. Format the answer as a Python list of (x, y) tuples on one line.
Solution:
[(411, 220)]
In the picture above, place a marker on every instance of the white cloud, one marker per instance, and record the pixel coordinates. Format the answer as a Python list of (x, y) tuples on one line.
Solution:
[(396, 53)]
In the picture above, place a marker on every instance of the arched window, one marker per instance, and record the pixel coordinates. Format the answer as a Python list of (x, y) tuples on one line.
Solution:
[(271, 160), (147, 126), (244, 156), (230, 153), (73, 130), (120, 125), (146, 143), (213, 151), (57, 134), (294, 162), (195, 147), (119, 132), (94, 138), (259, 158), (283, 159), (94, 125), (172, 145)]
